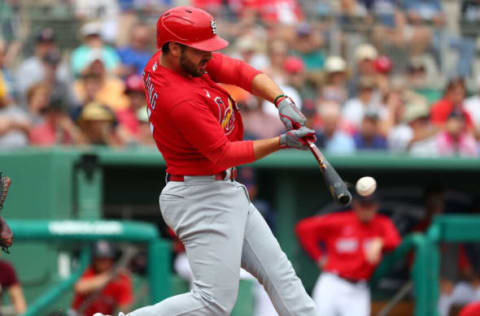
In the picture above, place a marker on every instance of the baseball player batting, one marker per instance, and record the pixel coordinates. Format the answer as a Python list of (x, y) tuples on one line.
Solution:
[(198, 129), (354, 241)]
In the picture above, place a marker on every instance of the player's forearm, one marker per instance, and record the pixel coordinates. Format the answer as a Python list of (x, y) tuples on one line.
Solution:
[(18, 300), (89, 285), (265, 147), (263, 86)]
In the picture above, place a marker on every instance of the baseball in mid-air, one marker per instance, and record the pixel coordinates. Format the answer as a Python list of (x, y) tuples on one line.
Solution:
[(366, 186)]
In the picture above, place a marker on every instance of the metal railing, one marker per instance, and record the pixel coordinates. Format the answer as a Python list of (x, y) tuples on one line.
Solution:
[(88, 231)]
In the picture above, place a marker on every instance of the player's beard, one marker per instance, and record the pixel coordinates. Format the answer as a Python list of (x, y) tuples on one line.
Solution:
[(190, 68)]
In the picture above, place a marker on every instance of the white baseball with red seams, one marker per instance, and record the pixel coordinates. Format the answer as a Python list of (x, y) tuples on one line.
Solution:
[(366, 186)]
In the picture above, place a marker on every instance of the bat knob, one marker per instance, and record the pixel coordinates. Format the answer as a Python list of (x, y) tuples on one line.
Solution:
[(345, 198)]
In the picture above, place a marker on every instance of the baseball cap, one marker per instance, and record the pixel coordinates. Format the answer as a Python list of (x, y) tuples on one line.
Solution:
[(335, 64), (371, 114), (56, 103), (94, 55), (45, 35), (365, 51), (416, 64), (103, 249), (91, 28), (383, 65), (372, 198), (456, 114), (415, 111), (134, 83), (304, 29), (94, 111), (293, 65), (52, 58)]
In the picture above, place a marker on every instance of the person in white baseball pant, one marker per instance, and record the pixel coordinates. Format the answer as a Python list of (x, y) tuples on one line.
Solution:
[(355, 241), (201, 210), (197, 126)]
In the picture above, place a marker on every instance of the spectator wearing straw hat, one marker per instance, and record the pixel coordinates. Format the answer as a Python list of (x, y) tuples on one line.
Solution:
[(416, 135), (335, 88), (364, 59), (98, 124)]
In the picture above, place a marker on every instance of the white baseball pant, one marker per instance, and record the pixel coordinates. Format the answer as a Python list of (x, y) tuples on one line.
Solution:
[(335, 296), (262, 304), (222, 231)]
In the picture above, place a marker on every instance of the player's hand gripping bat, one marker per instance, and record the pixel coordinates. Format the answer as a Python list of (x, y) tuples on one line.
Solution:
[(335, 184)]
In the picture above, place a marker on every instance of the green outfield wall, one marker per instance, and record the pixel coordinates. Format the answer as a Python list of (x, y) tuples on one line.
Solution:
[(64, 183)]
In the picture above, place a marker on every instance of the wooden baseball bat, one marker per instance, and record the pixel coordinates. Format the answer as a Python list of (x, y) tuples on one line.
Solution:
[(335, 184)]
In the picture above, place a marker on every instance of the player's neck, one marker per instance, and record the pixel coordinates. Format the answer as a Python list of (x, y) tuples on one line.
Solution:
[(169, 63)]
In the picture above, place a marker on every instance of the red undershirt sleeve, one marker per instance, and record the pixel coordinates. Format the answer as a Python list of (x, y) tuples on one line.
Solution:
[(200, 128), (224, 69)]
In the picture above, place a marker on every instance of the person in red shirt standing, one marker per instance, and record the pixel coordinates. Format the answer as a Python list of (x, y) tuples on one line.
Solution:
[(354, 244), (198, 129), (100, 289)]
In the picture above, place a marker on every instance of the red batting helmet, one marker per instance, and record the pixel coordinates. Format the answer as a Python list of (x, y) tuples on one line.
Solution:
[(191, 27)]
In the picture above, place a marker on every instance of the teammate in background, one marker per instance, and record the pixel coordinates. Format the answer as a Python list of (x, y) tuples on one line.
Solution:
[(354, 242), (198, 129), (10, 284), (100, 289)]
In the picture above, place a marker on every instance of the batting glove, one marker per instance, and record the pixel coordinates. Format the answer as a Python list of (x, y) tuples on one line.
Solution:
[(290, 116), (297, 138)]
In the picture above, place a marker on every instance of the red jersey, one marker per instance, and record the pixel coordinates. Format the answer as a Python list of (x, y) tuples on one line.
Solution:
[(116, 293), (346, 238), (195, 122), (442, 109)]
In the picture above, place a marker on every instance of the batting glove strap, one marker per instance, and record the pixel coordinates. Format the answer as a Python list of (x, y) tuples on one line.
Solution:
[(297, 138), (289, 114)]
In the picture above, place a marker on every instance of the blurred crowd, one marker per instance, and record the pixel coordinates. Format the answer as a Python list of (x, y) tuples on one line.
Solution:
[(384, 75)]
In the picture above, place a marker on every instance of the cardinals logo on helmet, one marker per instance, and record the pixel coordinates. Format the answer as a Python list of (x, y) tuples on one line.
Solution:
[(214, 27)]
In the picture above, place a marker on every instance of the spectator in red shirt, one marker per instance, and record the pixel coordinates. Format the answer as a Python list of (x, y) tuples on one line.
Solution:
[(453, 99), (100, 289), (127, 118), (10, 283), (56, 127), (354, 242)]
